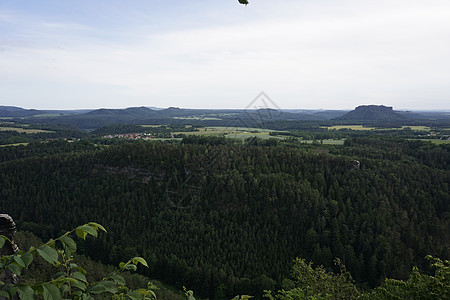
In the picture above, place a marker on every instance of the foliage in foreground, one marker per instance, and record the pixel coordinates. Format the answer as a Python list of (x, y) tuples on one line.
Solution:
[(418, 285), (69, 280), (317, 284), (308, 282)]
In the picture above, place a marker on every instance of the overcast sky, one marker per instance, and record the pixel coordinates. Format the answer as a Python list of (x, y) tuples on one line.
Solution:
[(312, 54)]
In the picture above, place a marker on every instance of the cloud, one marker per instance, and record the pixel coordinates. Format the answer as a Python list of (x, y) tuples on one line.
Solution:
[(336, 57)]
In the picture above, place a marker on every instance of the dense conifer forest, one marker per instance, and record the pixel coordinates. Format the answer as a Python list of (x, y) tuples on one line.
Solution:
[(217, 214)]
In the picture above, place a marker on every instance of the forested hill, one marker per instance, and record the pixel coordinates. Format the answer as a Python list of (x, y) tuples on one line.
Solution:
[(172, 115), (224, 212)]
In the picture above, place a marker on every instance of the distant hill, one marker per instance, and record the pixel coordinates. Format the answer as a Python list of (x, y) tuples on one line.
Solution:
[(94, 119), (372, 113), (291, 118), (102, 117), (127, 113), (14, 112), (19, 112), (10, 108)]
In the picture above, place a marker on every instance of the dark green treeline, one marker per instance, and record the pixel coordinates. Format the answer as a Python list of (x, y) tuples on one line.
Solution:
[(210, 212)]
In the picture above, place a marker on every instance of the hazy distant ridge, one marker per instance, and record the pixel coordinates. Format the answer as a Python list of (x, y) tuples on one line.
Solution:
[(93, 119)]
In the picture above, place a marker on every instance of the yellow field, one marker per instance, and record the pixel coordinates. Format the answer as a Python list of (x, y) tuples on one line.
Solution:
[(22, 130)]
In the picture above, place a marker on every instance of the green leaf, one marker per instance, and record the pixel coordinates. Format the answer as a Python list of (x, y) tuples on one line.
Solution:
[(59, 275), (97, 226), (134, 295), (26, 293), (140, 260), (75, 267), (130, 267), (190, 295), (2, 241), (4, 294), (64, 279), (86, 297), (85, 230), (103, 286), (19, 261), (138, 294), (110, 286), (69, 245), (72, 280), (14, 268), (64, 289), (78, 275), (12, 291), (118, 279), (51, 243), (97, 289), (48, 253), (51, 292), (80, 285), (81, 233), (27, 259)]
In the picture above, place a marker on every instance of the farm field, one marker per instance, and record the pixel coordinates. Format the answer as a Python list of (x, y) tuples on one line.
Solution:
[(325, 142), (436, 141), (350, 127), (16, 144), (199, 118), (232, 132), (417, 128), (361, 127), (23, 130)]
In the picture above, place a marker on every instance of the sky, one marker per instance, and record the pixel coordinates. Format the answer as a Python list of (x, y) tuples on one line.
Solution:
[(316, 54)]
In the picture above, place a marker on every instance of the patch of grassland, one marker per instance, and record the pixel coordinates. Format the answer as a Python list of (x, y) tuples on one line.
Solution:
[(18, 129), (325, 142), (361, 127), (436, 141), (198, 118), (49, 115), (12, 145), (333, 142), (350, 127), (261, 135), (417, 128), (232, 132)]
